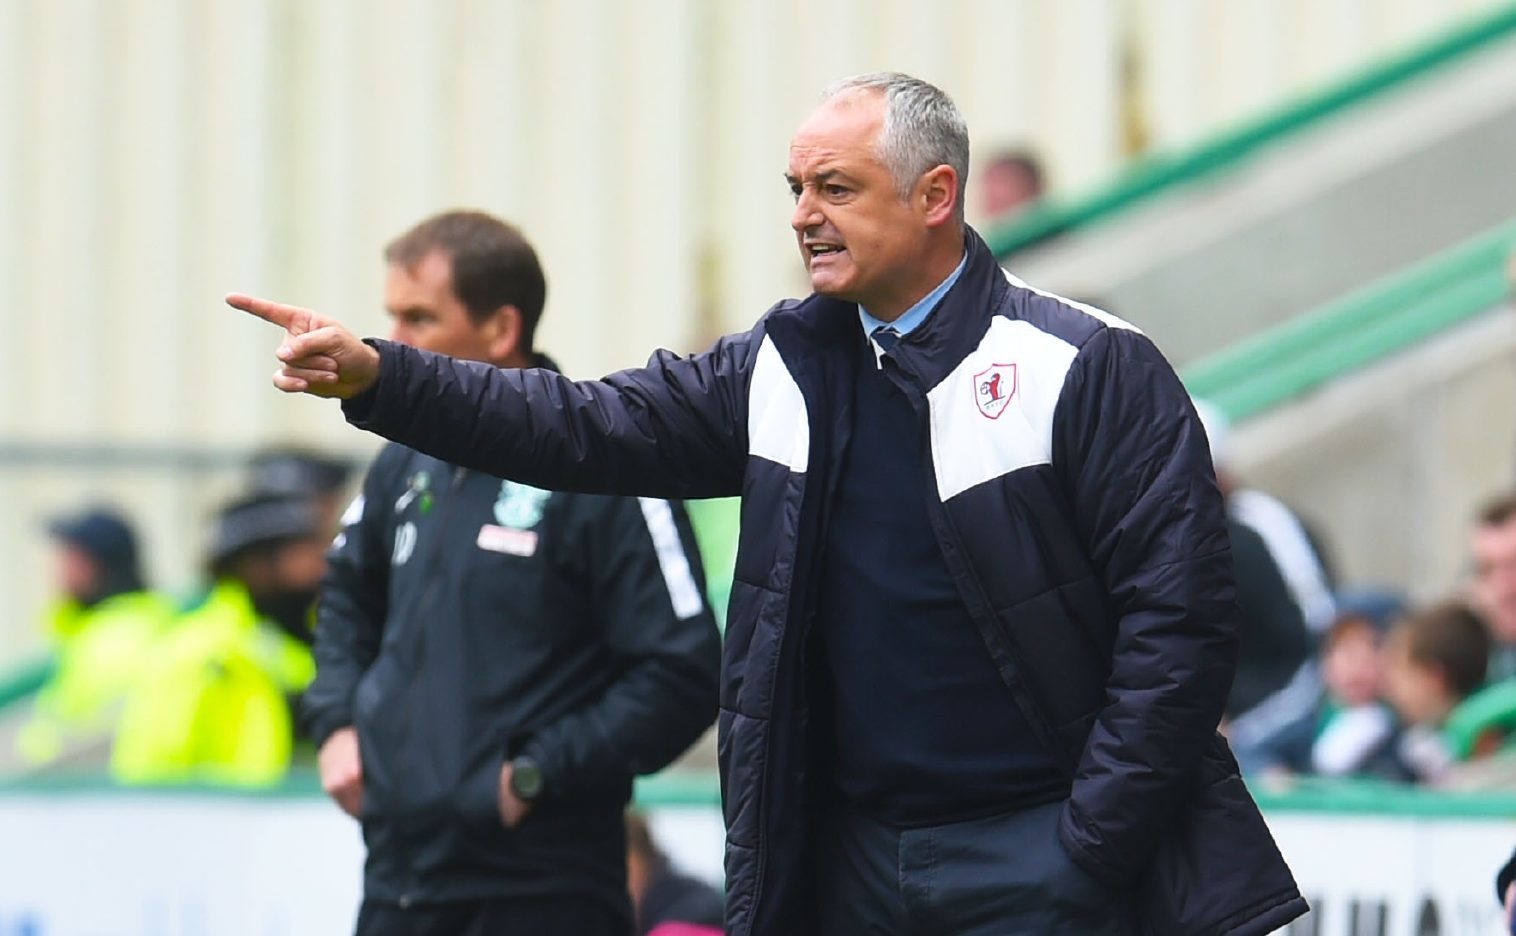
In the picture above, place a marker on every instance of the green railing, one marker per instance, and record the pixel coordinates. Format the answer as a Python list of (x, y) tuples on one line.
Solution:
[(24, 680), (671, 789), (1377, 798), (1161, 172), (1292, 359), (700, 790)]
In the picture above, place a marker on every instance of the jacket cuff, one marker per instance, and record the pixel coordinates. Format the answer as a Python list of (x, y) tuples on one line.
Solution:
[(323, 726), (1080, 854), (360, 409)]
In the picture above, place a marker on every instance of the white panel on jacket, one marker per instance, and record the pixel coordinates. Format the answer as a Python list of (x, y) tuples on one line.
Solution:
[(672, 559), (994, 413), (777, 428)]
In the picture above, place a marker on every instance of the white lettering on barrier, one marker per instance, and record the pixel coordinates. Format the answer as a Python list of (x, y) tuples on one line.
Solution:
[(1396, 876), (163, 864), (188, 865)]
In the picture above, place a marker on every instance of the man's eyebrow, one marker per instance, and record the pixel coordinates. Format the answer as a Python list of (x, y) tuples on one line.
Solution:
[(822, 177)]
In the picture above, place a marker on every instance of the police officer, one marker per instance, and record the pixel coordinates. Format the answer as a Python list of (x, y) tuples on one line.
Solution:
[(102, 628), (213, 704)]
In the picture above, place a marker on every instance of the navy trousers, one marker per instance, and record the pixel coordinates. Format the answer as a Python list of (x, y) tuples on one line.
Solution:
[(527, 916), (1003, 876)]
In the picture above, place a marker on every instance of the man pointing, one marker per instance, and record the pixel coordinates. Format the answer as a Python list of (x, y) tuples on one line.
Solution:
[(981, 627)]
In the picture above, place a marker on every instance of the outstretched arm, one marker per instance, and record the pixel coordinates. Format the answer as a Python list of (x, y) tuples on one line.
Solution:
[(675, 428)]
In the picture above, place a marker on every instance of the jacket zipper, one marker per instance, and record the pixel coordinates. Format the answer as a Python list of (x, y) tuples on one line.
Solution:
[(970, 588), (428, 597)]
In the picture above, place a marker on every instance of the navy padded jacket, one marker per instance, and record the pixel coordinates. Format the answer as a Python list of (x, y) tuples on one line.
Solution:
[(1075, 504)]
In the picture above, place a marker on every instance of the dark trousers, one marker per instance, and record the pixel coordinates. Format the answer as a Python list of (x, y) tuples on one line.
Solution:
[(1003, 876), (516, 916)]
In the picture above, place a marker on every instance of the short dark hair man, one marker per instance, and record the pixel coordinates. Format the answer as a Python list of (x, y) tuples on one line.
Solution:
[(1011, 183), (496, 661), (982, 624), (1492, 544)]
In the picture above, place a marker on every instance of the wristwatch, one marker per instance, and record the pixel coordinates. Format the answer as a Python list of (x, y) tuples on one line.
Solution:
[(526, 778)]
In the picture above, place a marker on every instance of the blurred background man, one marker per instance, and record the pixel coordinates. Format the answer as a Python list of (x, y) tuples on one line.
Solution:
[(664, 901), (1492, 546), (536, 650), (1010, 182)]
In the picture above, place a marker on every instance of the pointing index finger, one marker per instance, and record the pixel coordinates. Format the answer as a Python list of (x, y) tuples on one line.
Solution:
[(292, 319)]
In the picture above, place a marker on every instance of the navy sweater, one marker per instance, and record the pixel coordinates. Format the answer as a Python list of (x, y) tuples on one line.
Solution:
[(925, 731)]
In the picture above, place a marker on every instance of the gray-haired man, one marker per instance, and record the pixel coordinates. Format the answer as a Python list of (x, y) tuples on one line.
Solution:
[(981, 628)]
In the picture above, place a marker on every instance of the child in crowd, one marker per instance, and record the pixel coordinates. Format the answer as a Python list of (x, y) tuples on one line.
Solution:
[(1436, 660), (1356, 732)]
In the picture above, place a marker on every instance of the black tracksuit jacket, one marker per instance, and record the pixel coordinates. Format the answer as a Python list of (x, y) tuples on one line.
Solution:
[(465, 621)]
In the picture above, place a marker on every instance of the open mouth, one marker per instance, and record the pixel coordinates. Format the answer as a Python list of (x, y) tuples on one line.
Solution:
[(820, 251)]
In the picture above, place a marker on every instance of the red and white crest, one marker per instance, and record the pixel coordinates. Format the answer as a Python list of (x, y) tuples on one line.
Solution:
[(993, 389)]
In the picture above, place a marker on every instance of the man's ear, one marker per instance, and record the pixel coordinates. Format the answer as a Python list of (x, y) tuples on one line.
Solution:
[(937, 190), (505, 334)]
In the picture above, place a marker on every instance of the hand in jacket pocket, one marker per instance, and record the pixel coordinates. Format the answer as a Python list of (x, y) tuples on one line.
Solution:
[(513, 809)]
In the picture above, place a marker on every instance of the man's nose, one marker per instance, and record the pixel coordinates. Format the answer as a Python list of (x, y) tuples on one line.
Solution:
[(806, 214)]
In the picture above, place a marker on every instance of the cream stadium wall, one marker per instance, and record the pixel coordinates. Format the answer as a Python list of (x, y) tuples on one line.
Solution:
[(156, 153)]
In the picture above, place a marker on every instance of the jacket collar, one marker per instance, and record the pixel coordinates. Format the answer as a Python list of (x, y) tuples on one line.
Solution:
[(956, 328), (931, 351)]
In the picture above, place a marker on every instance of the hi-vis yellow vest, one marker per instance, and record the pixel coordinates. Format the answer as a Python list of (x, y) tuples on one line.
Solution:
[(99, 652), (211, 707)]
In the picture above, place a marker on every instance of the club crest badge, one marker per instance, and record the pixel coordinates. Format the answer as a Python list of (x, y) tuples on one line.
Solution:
[(418, 488), (994, 388), (520, 506)]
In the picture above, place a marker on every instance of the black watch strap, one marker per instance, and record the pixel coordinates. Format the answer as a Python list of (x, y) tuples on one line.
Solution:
[(526, 778)]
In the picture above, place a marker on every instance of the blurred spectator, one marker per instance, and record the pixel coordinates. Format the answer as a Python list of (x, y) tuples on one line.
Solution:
[(1351, 731), (1010, 183), (1274, 684), (1295, 550), (101, 628), (1357, 730), (547, 646), (1493, 548), (97, 561), (213, 706), (1277, 685), (1272, 642), (665, 902), (298, 472), (1436, 660)]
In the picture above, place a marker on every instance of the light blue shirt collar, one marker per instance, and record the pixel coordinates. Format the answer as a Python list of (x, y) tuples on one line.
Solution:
[(919, 312)]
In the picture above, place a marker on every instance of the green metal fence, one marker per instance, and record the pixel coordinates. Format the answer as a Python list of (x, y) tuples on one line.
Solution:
[(1393, 315), (1164, 172)]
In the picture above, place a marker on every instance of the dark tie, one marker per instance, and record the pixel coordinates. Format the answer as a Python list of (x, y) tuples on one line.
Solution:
[(885, 337)]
